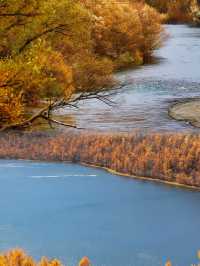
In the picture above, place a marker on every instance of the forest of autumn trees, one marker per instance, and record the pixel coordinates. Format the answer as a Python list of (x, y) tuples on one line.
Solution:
[(52, 49)]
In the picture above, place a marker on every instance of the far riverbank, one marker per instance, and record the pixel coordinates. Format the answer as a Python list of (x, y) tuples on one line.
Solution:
[(168, 158)]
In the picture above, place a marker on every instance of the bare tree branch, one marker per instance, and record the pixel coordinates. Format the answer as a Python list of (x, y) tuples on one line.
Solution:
[(58, 29), (18, 14), (46, 112), (59, 122)]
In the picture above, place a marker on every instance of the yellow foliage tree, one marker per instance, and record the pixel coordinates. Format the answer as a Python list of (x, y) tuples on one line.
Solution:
[(17, 257), (123, 31), (168, 263)]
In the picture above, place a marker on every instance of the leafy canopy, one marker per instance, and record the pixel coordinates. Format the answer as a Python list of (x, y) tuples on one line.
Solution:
[(51, 49)]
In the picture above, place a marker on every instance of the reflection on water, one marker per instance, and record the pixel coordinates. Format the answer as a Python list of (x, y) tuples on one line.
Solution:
[(179, 58), (143, 104)]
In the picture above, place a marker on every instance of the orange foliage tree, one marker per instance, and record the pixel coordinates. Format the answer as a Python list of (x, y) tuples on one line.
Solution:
[(18, 257), (178, 11), (124, 31)]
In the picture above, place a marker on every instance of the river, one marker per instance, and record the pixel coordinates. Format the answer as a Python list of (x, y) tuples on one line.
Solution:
[(143, 104), (69, 211)]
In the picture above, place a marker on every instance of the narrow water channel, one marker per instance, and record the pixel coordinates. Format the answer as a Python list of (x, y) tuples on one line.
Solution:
[(143, 104)]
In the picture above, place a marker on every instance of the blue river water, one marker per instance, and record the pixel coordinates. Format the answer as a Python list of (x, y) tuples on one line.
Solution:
[(69, 211)]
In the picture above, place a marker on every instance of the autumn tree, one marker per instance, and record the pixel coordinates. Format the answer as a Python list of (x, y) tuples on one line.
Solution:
[(49, 50), (38, 43), (122, 29), (177, 11), (30, 64)]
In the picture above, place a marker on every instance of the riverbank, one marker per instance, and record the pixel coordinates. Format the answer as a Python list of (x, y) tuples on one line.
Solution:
[(188, 111), (142, 178), (133, 155)]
